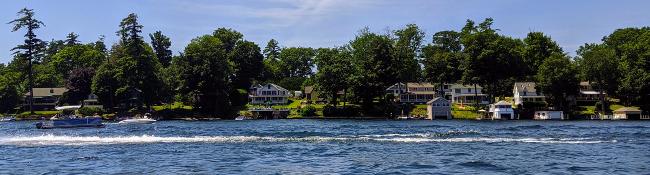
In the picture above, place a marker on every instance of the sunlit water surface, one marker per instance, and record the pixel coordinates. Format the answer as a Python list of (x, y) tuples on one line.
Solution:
[(330, 147)]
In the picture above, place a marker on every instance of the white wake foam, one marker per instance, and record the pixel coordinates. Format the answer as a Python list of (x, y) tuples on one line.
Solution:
[(395, 138)]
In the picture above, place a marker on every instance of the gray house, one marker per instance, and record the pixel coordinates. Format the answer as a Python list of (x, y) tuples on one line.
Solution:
[(438, 108)]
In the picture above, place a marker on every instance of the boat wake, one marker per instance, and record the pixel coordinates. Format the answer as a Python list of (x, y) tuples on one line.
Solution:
[(393, 138)]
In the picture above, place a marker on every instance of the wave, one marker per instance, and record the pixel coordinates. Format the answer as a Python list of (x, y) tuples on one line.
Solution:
[(441, 134), (148, 139)]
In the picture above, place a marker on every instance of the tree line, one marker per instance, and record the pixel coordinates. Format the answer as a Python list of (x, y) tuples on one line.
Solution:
[(214, 71)]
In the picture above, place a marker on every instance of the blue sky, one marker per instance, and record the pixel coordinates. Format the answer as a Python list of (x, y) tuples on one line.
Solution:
[(323, 23)]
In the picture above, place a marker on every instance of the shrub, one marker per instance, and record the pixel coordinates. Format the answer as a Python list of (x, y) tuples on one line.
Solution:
[(90, 111), (239, 97), (308, 111), (599, 107), (346, 111)]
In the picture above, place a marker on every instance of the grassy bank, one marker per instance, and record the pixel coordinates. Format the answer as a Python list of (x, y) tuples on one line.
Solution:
[(464, 112)]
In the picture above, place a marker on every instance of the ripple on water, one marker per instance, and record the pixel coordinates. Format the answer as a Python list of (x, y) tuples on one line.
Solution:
[(482, 165)]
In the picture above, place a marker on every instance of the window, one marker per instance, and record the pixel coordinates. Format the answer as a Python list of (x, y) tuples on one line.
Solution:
[(51, 91), (457, 91)]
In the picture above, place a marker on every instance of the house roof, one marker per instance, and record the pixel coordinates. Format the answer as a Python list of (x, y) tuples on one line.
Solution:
[(591, 92), (584, 83), (309, 89), (628, 109), (416, 85), (273, 85), (394, 87), (503, 103), (46, 92), (437, 99), (453, 86), (525, 87)]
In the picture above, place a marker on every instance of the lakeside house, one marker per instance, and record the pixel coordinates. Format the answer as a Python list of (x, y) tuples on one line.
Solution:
[(526, 92), (549, 115), (466, 95), (587, 94), (439, 108), (44, 98), (418, 93), (269, 94), (92, 101), (626, 113), (415, 93), (501, 110), (397, 89)]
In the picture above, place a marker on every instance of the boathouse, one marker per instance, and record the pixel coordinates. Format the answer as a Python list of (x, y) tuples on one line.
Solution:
[(549, 115), (626, 113), (502, 110), (439, 108)]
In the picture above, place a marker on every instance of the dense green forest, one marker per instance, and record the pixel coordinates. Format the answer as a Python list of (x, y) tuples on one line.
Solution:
[(215, 70)]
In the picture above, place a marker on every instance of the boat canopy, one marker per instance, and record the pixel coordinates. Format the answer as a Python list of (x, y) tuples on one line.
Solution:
[(61, 108)]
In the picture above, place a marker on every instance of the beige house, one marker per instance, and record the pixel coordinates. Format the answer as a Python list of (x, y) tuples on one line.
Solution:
[(417, 93), (44, 98), (526, 92), (439, 108)]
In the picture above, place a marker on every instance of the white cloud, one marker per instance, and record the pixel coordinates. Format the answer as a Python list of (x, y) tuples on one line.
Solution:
[(279, 13)]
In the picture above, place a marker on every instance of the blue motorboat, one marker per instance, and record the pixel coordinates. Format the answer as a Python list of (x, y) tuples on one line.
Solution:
[(71, 123), (68, 120)]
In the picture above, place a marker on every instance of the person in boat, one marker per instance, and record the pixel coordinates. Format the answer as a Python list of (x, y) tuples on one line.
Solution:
[(55, 117)]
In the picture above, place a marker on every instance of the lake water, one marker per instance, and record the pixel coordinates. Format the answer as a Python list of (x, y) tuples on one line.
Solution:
[(330, 147)]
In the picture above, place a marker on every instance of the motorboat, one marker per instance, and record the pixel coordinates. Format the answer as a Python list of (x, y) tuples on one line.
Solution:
[(243, 118), (139, 120), (7, 119), (67, 119)]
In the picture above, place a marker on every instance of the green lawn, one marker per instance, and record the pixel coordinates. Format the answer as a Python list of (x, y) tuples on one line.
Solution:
[(464, 112), (591, 110), (175, 105), (41, 112), (465, 115)]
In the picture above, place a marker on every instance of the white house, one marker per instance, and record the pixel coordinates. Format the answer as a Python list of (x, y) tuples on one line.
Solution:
[(549, 115), (502, 110), (465, 94), (396, 89), (271, 94), (438, 107), (526, 92)]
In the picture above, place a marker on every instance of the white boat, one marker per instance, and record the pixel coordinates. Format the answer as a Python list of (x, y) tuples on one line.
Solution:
[(139, 120), (243, 118)]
